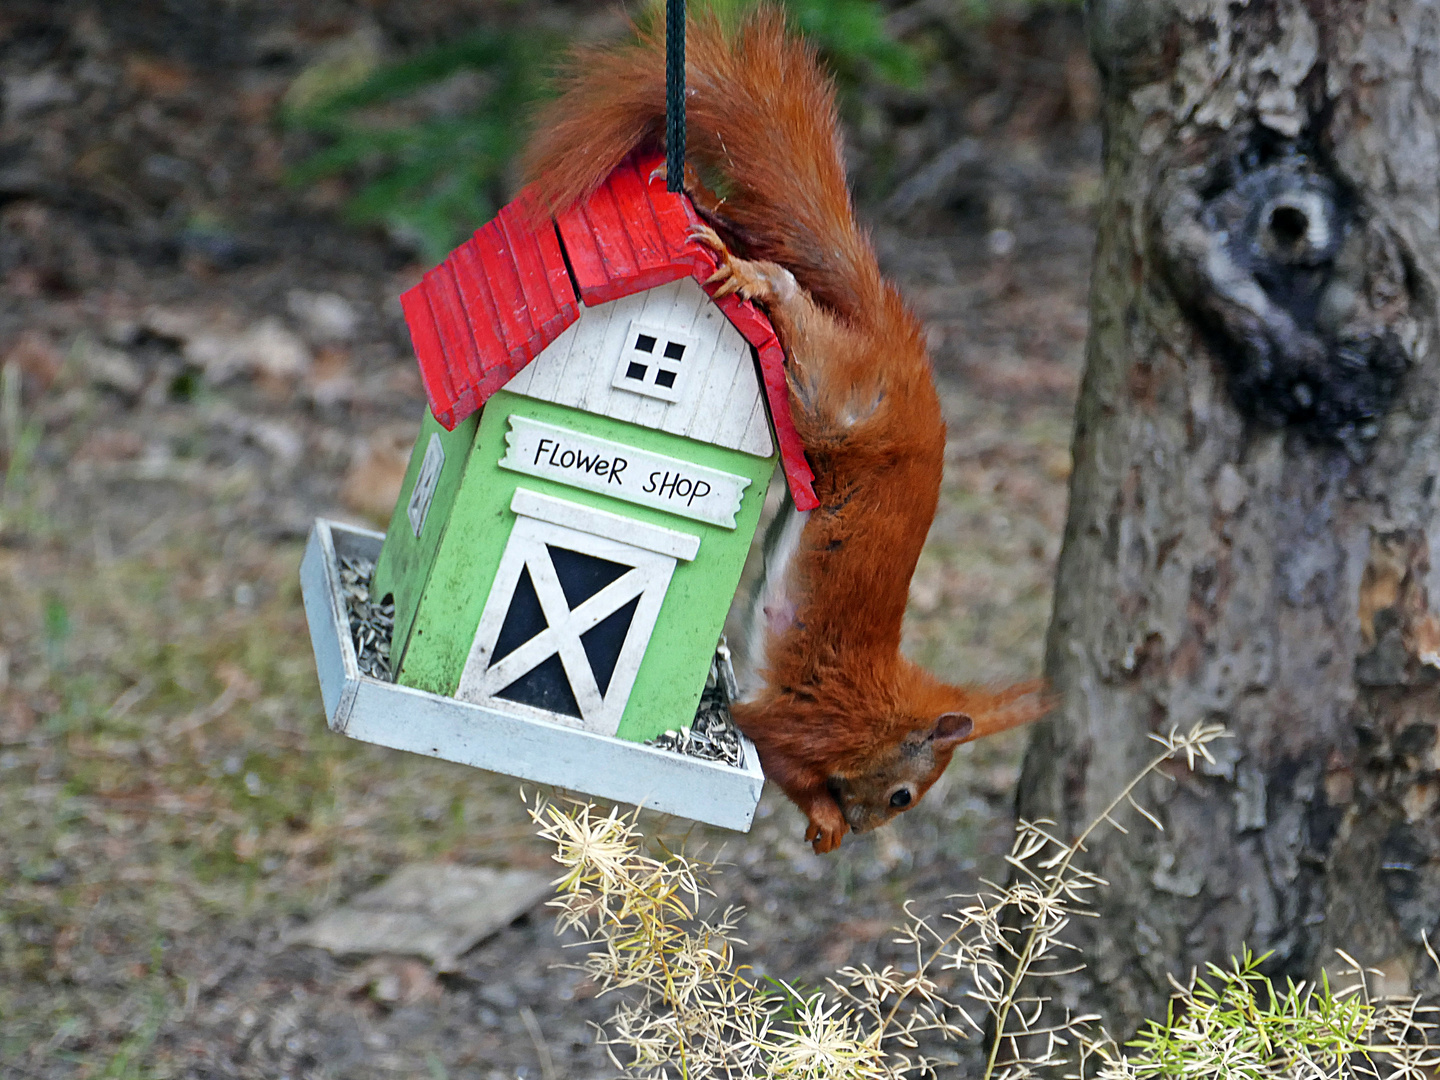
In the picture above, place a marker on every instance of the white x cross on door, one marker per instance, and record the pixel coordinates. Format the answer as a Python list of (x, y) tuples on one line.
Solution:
[(568, 618)]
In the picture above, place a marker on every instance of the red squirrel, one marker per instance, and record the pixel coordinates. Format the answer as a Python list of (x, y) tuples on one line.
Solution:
[(852, 731)]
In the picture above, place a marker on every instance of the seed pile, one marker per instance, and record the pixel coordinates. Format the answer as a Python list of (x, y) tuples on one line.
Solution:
[(712, 737), (371, 624)]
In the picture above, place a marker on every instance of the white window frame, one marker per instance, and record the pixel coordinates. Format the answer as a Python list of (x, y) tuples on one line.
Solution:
[(652, 551), (656, 361)]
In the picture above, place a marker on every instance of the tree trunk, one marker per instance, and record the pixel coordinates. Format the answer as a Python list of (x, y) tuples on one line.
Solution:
[(1253, 533)]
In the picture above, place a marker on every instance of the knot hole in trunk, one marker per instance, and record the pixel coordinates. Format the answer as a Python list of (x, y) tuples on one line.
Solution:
[(1299, 294)]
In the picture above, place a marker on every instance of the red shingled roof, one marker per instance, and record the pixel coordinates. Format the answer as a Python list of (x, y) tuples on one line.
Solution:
[(505, 294)]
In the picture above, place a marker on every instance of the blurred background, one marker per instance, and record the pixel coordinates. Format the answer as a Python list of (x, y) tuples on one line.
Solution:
[(208, 209)]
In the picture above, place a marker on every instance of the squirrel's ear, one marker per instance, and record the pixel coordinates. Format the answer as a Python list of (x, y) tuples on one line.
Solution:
[(951, 729)]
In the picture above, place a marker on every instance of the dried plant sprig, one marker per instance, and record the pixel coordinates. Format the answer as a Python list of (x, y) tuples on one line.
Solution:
[(696, 1008), (694, 1012), (1046, 897)]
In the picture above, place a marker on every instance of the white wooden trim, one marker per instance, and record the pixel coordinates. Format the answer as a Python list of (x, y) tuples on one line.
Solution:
[(500, 740), (335, 658), (757, 438), (323, 612), (677, 545), (542, 752), (528, 549)]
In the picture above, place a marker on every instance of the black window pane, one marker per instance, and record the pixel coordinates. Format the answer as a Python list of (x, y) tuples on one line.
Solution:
[(604, 640), (645, 343), (665, 379), (635, 371), (674, 350), (582, 576), (523, 621), (545, 687)]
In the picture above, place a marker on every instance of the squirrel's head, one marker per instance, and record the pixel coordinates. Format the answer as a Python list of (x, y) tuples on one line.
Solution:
[(895, 777), (898, 777)]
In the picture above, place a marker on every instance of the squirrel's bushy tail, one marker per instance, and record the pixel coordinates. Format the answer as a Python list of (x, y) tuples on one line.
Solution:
[(760, 114)]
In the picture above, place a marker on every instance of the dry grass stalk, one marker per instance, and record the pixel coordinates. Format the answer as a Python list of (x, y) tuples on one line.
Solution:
[(695, 1012)]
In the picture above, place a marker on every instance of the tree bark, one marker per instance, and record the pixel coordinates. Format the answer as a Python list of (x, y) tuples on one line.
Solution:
[(1253, 533)]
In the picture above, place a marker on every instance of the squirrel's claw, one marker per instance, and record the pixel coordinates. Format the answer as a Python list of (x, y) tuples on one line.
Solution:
[(735, 275), (707, 237), (729, 282)]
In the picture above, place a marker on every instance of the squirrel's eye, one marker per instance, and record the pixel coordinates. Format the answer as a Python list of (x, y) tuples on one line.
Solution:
[(900, 799)]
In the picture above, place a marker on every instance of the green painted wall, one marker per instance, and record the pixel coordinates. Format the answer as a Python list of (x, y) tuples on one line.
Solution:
[(672, 674), (405, 561)]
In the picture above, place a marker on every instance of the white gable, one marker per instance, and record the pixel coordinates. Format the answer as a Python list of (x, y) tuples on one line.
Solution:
[(715, 384)]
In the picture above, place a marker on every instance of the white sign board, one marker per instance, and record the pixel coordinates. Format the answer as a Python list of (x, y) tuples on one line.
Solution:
[(623, 472), (424, 492)]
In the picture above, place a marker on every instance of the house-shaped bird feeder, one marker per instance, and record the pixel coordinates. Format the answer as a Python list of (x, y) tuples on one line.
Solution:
[(576, 514)]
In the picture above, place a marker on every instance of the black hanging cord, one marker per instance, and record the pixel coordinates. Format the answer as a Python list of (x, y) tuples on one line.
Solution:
[(675, 95)]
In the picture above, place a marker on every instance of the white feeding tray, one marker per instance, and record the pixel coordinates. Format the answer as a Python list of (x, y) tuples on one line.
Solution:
[(399, 717)]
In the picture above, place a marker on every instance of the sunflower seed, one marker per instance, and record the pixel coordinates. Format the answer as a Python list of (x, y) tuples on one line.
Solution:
[(371, 625), (712, 736)]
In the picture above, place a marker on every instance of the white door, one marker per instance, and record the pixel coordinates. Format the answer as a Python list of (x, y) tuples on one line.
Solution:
[(570, 612)]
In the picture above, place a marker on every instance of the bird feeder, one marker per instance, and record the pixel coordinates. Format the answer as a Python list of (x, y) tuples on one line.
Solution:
[(579, 505)]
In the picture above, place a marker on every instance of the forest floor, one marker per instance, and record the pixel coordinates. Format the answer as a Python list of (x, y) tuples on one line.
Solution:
[(199, 359)]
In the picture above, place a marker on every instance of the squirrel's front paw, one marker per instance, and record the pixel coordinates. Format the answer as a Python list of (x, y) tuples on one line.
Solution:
[(763, 282), (827, 827)]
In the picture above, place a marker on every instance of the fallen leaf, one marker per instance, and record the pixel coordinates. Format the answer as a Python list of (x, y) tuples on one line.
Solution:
[(330, 379), (36, 355), (1057, 464), (111, 368), (108, 444), (32, 93), (324, 316), (156, 77), (17, 721), (394, 980), (237, 681), (850, 933), (247, 844), (175, 324), (267, 348), (377, 472)]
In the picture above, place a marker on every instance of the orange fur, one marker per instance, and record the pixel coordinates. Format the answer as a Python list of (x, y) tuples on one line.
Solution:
[(843, 721)]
